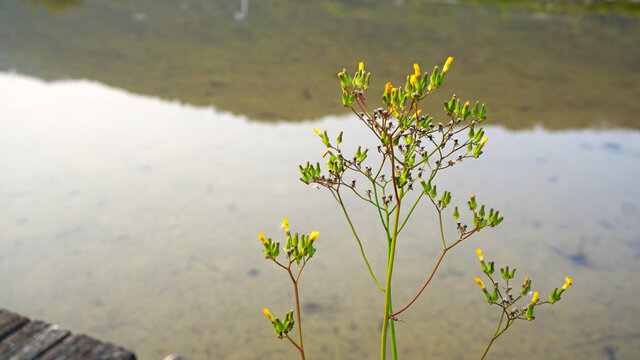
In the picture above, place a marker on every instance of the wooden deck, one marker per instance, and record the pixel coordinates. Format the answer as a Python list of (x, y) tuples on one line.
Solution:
[(25, 339)]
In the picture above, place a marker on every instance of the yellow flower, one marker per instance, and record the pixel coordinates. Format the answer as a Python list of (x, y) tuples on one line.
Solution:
[(479, 252), (285, 224), (479, 283), (268, 314), (568, 282), (262, 239), (361, 66), (387, 88), (413, 80), (418, 112), (325, 153), (416, 69), (526, 281), (394, 112), (534, 299), (484, 141), (447, 65), (315, 130), (314, 235)]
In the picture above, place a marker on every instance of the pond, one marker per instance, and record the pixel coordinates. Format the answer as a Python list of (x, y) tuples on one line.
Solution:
[(143, 146)]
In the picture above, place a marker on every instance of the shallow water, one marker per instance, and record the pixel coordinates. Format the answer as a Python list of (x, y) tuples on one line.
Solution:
[(135, 219)]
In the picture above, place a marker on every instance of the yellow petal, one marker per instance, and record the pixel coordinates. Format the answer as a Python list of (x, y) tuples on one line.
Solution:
[(268, 314), (416, 69), (447, 65), (315, 130), (479, 252), (484, 141), (387, 88), (262, 239), (361, 65), (526, 281), (568, 282), (418, 112), (534, 299), (413, 80), (314, 235), (479, 283), (285, 224)]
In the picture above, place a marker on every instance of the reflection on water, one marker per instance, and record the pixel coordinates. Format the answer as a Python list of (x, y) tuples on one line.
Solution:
[(135, 219), (561, 70), (55, 6)]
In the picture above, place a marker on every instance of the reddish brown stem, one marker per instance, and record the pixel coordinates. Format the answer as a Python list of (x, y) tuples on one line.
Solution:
[(444, 251)]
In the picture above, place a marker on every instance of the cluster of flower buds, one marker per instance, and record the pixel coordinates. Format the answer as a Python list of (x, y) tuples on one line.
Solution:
[(281, 327), (507, 301), (298, 247), (353, 86), (492, 219), (462, 112)]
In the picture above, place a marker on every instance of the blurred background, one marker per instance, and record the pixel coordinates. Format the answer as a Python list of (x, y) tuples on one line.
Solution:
[(145, 144)]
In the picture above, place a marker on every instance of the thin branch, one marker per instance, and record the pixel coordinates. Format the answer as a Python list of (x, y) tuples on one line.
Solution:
[(444, 251), (353, 230)]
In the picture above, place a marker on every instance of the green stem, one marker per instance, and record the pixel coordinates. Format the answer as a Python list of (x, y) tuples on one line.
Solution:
[(392, 331), (353, 230), (387, 300), (497, 334), (444, 245), (410, 211), (296, 345), (295, 287)]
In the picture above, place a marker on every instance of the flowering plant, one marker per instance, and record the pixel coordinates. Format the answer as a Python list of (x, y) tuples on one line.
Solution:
[(413, 149)]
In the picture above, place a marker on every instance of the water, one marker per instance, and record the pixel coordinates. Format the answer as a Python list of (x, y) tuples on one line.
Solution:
[(133, 186)]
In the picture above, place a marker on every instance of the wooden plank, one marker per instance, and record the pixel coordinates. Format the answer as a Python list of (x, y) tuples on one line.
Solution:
[(12, 343), (86, 348), (40, 342), (73, 347), (23, 339), (110, 352), (10, 323)]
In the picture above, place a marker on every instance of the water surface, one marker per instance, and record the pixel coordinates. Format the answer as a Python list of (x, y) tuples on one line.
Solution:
[(134, 181)]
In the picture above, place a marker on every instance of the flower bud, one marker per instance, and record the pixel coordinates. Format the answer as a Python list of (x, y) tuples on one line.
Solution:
[(268, 314), (535, 297), (262, 239), (480, 283), (446, 66)]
